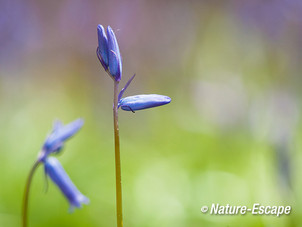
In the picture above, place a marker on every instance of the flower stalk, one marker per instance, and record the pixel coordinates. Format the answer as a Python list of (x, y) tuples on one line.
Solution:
[(26, 194), (118, 177)]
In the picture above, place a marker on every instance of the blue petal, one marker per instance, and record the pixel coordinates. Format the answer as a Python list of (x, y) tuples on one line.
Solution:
[(115, 60), (57, 125), (61, 133), (140, 102), (57, 174), (103, 46)]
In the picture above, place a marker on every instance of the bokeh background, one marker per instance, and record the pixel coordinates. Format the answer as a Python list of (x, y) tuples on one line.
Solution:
[(231, 134)]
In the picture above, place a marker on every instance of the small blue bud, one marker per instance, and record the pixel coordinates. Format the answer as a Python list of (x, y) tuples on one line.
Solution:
[(55, 171), (140, 102), (115, 59), (60, 133), (102, 51)]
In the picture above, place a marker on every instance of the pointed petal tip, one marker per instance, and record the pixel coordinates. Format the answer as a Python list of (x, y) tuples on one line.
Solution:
[(101, 33), (109, 29), (166, 99), (84, 200), (57, 124), (81, 199), (79, 121), (100, 27)]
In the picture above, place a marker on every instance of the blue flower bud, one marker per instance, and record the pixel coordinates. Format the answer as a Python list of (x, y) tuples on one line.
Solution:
[(115, 59), (60, 133), (140, 102), (57, 174), (102, 51)]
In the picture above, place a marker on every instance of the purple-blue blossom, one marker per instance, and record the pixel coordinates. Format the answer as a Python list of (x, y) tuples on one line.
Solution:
[(58, 136), (140, 102), (115, 59), (102, 50), (108, 52), (57, 174)]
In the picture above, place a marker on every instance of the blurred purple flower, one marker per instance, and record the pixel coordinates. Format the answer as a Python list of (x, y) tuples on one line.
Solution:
[(59, 134), (55, 171)]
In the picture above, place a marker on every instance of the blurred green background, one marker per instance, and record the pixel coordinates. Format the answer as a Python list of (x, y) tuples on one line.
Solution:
[(230, 135)]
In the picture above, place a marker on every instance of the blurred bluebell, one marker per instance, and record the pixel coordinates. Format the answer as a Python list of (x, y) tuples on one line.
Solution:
[(140, 102), (115, 59), (56, 172), (57, 137), (102, 51)]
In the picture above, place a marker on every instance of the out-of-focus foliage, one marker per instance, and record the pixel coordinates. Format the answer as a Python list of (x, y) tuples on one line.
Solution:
[(230, 135)]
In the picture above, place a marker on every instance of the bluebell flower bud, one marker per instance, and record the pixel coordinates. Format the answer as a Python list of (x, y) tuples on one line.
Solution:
[(140, 102), (59, 134), (115, 59), (57, 174), (102, 51)]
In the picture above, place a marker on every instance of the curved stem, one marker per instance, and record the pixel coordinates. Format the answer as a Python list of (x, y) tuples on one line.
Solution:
[(26, 194), (118, 176)]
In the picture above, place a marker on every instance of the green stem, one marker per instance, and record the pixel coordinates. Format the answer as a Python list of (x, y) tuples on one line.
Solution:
[(118, 177), (26, 194)]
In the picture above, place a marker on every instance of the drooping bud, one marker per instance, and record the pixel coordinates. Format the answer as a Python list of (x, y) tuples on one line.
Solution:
[(57, 174)]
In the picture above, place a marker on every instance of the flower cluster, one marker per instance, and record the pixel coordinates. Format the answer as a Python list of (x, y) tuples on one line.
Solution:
[(53, 169), (110, 58)]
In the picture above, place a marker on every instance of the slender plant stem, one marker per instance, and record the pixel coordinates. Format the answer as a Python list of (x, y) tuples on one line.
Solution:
[(118, 177), (26, 194)]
